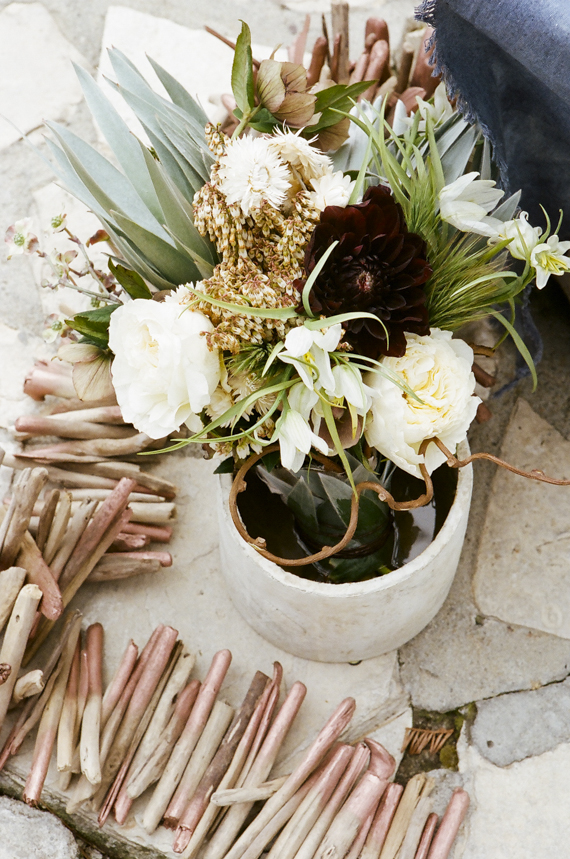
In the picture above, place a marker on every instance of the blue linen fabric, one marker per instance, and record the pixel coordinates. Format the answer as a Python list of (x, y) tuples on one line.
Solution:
[(508, 63)]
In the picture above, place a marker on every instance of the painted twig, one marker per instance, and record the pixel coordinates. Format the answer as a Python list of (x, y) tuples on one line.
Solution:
[(237, 795), (382, 822), (68, 718), (38, 573), (15, 640), (11, 582), (91, 721), (120, 679), (27, 685), (110, 569), (26, 491), (187, 742), (79, 521), (47, 731), (403, 815), (46, 519), (449, 826), (416, 826), (427, 837), (58, 527)]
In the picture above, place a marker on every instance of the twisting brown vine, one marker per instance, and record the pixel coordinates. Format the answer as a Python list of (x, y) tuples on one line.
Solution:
[(239, 485)]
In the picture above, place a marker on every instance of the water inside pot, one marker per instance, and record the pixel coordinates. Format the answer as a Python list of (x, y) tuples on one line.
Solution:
[(266, 515)]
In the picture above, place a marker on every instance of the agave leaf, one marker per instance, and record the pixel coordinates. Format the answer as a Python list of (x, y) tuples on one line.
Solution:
[(486, 171), (205, 268), (118, 136), (280, 481), (167, 260), (508, 207), (301, 502), (454, 161), (176, 211), (101, 178), (67, 175), (340, 495), (133, 255), (179, 95), (181, 141), (344, 570)]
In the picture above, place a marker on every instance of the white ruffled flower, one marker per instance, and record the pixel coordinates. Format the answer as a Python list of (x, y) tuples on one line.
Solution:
[(548, 258), (20, 238), (438, 370), (299, 154), (308, 351), (251, 173), (350, 387), (466, 203), (523, 238), (332, 189), (164, 374)]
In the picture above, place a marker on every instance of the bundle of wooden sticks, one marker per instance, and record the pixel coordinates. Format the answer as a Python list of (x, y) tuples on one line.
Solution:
[(205, 767)]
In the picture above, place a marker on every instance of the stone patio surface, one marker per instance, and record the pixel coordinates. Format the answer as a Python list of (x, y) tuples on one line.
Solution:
[(502, 639)]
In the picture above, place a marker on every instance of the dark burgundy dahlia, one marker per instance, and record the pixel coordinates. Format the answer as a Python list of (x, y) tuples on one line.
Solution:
[(377, 267)]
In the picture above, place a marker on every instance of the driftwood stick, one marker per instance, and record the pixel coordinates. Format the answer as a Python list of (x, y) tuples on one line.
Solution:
[(15, 639), (91, 722), (235, 817), (154, 532), (382, 764), (11, 582), (72, 427), (236, 795), (206, 747), (361, 803), (68, 718), (152, 768), (38, 573), (416, 826), (327, 736), (114, 469), (47, 731), (5, 671), (187, 742), (115, 793), (58, 527), (300, 824), (358, 762), (130, 542), (141, 697), (427, 837), (76, 527), (26, 491), (318, 59), (83, 789), (227, 762), (360, 839), (271, 699), (449, 826), (382, 822), (184, 663), (99, 446), (44, 380), (403, 815), (110, 570), (102, 494), (120, 679), (46, 518), (27, 685), (339, 13), (33, 708)]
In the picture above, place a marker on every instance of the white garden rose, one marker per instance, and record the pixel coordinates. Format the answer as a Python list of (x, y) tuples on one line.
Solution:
[(438, 370), (164, 374)]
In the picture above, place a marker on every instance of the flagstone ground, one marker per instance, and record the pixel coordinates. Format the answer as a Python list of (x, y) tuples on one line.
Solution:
[(492, 647)]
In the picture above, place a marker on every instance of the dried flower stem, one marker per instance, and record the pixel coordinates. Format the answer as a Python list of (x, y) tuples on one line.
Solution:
[(68, 719), (27, 685), (47, 730), (237, 795), (226, 763), (152, 768), (260, 768), (11, 582), (38, 573), (315, 753), (358, 762), (183, 665), (427, 837), (206, 747), (449, 826), (187, 742), (403, 815), (382, 822), (91, 722), (120, 679), (15, 640)]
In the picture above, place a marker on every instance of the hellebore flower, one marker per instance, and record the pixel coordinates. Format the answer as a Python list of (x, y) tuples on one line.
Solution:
[(281, 88)]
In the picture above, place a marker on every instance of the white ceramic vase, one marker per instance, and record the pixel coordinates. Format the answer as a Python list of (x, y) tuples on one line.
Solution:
[(349, 622)]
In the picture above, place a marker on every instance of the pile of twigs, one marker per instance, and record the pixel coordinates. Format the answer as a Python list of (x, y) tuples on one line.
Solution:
[(204, 767)]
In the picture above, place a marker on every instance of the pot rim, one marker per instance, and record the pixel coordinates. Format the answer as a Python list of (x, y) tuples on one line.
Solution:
[(338, 591)]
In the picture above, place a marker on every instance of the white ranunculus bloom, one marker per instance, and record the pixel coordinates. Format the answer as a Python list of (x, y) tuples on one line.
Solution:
[(548, 258), (523, 237), (332, 189), (466, 203), (438, 370), (252, 173), (164, 374)]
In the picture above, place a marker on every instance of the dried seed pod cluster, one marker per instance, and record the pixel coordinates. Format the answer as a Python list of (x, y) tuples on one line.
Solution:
[(200, 765)]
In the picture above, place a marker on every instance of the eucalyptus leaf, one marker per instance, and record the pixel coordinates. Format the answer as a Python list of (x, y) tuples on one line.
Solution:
[(242, 71)]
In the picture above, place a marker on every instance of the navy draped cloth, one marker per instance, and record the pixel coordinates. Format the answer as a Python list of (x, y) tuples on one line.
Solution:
[(508, 62)]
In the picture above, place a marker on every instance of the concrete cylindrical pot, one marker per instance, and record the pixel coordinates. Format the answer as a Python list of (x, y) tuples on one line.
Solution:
[(349, 622)]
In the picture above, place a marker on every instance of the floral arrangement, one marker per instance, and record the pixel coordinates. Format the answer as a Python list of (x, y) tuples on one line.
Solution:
[(299, 283)]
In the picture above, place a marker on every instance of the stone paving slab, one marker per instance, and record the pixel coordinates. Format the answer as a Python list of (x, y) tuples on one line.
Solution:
[(523, 562), (27, 833)]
